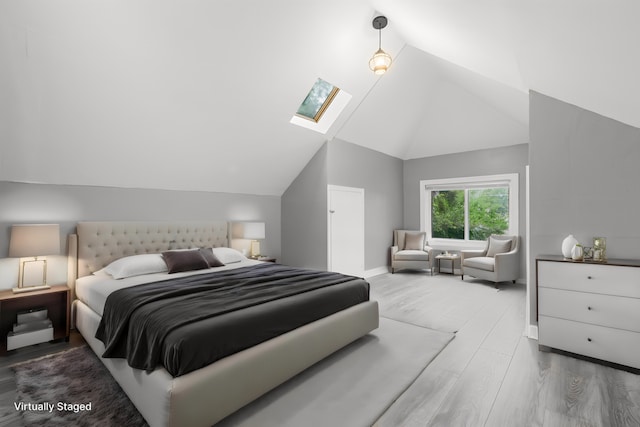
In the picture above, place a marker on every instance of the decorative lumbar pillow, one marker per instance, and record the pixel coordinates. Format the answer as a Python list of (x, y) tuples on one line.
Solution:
[(136, 265), (178, 261), (414, 241), (212, 260), (228, 255), (498, 246)]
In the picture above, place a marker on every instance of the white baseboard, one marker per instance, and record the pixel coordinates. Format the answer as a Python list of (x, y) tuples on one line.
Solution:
[(532, 332), (376, 271)]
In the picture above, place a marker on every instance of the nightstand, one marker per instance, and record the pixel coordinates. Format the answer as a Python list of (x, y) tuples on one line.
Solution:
[(54, 299), (267, 259)]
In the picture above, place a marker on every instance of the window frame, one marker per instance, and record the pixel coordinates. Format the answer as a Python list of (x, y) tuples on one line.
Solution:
[(326, 103), (467, 183)]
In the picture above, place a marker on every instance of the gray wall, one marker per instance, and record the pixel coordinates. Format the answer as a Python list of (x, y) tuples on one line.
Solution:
[(68, 204), (512, 159), (381, 177), (304, 204), (584, 180), (304, 217)]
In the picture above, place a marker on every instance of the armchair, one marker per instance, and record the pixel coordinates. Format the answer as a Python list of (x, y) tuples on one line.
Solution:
[(498, 262), (410, 251)]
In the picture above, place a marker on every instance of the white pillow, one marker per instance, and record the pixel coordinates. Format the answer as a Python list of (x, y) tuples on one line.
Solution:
[(100, 272), (136, 265), (228, 255)]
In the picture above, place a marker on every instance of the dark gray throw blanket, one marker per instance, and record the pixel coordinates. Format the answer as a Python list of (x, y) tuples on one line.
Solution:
[(188, 322)]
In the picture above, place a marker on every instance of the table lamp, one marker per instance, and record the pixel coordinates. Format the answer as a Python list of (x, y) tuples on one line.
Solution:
[(33, 241), (254, 231)]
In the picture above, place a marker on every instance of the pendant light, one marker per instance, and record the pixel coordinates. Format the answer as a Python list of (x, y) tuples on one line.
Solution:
[(381, 60)]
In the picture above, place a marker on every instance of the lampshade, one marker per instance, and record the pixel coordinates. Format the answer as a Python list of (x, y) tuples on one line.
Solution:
[(253, 230), (32, 240), (380, 62)]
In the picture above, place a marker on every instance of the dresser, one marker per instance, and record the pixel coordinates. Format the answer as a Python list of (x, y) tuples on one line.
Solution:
[(590, 309)]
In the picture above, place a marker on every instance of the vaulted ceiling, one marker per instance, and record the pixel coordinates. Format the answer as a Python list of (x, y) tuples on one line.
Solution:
[(197, 95)]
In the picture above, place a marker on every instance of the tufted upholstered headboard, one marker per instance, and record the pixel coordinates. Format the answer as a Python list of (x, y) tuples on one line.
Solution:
[(96, 244)]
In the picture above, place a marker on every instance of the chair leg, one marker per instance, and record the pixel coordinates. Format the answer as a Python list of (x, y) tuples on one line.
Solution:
[(462, 277)]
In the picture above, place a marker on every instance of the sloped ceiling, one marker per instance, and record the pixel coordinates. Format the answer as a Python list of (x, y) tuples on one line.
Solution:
[(197, 95)]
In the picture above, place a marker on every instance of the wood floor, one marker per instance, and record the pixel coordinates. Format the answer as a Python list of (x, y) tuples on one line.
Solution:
[(491, 374)]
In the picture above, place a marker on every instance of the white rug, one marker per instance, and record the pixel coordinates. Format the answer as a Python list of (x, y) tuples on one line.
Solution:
[(354, 386)]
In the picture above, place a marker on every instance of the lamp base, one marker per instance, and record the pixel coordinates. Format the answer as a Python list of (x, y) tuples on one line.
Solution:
[(255, 249), (30, 288)]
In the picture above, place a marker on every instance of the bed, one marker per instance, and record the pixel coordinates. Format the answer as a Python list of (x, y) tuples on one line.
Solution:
[(206, 395)]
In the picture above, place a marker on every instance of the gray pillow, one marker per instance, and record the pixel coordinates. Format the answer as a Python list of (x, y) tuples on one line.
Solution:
[(212, 260), (414, 241), (498, 246), (178, 261)]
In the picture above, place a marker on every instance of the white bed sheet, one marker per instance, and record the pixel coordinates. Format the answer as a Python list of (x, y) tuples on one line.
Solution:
[(93, 290)]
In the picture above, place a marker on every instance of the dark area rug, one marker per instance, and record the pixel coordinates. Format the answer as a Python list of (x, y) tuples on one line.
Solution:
[(73, 377)]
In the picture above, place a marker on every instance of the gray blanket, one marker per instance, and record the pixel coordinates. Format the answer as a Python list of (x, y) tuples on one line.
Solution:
[(189, 322)]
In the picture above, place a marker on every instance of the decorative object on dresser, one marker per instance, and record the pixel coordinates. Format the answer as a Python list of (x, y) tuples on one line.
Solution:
[(567, 245), (599, 249), (590, 309), (33, 241), (577, 253), (25, 317)]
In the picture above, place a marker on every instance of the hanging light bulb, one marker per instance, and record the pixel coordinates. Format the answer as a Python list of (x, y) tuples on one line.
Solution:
[(381, 60)]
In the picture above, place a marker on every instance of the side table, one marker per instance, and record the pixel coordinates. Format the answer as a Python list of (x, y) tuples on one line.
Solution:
[(447, 257), (54, 299)]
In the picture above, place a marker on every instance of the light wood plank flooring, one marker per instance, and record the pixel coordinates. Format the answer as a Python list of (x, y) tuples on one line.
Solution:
[(491, 374)]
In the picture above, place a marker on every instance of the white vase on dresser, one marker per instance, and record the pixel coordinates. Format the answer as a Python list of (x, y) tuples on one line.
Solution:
[(590, 309), (567, 245)]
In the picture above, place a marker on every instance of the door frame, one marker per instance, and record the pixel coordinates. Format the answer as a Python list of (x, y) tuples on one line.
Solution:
[(331, 187)]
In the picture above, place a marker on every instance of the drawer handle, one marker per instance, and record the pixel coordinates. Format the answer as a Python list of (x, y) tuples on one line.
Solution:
[(589, 339), (588, 308), (589, 277)]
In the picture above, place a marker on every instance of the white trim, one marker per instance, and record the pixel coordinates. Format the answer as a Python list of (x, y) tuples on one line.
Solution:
[(532, 332), (376, 271), (527, 317), (510, 179)]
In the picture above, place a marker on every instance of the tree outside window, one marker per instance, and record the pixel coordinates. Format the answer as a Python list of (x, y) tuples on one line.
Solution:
[(469, 214)]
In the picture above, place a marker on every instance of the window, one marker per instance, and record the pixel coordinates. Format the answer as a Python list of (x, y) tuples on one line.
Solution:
[(321, 107), (469, 209), (317, 101)]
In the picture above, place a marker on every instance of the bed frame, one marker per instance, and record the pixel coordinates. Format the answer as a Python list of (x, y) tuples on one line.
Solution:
[(205, 396)]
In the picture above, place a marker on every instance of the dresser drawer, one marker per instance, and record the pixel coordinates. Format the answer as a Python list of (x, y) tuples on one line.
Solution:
[(596, 309), (613, 345), (596, 278)]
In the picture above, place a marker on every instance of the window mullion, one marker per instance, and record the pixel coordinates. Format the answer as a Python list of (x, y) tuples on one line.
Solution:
[(466, 214)]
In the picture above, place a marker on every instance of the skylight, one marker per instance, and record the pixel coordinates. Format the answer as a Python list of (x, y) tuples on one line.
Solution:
[(317, 101), (321, 107)]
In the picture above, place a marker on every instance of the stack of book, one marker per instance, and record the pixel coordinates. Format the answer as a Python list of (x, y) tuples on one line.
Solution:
[(32, 327)]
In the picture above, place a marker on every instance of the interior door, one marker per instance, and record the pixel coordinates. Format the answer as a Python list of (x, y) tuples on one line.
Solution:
[(346, 230)]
